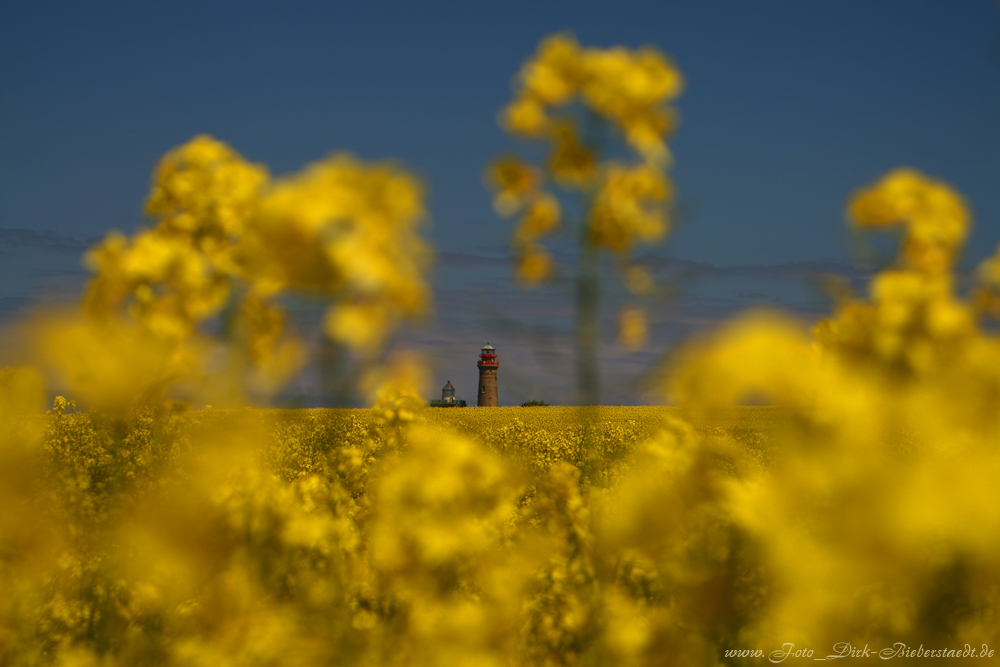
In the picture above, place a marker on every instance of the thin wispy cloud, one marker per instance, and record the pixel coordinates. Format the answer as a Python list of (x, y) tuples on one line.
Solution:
[(20, 239)]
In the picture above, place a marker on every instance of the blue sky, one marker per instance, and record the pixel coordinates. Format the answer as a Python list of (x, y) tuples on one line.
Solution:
[(789, 106)]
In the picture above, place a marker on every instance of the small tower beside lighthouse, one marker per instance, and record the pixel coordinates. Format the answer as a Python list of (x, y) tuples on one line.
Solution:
[(448, 399), (488, 366)]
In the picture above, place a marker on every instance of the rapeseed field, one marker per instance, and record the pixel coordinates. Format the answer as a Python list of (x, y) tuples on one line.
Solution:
[(857, 510)]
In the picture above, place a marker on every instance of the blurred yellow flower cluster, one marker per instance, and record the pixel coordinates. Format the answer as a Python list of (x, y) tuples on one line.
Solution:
[(575, 100), (877, 522), (914, 322), (934, 218), (628, 208), (518, 186), (629, 88), (229, 241)]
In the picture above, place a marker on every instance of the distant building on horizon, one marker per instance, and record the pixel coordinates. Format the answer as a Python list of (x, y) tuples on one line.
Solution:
[(488, 366), (448, 398)]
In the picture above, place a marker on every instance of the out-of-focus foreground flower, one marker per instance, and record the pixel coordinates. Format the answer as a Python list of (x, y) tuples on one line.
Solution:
[(229, 242), (579, 102), (877, 524)]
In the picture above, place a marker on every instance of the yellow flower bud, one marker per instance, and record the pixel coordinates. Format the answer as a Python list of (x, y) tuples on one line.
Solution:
[(524, 116), (515, 182), (541, 218), (633, 328), (535, 266), (638, 281)]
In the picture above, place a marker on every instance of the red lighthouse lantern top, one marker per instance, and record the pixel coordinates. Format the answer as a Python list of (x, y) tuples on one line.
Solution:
[(488, 356)]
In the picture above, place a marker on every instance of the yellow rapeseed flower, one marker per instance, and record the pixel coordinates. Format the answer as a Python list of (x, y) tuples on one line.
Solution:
[(633, 328), (628, 207), (524, 117), (515, 182), (571, 163), (534, 266), (340, 229), (540, 218), (935, 217), (553, 75), (204, 188)]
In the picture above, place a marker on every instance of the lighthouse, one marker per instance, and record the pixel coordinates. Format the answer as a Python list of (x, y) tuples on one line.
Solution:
[(488, 366)]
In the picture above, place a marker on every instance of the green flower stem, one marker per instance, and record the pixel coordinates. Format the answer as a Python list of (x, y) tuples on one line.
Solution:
[(587, 328)]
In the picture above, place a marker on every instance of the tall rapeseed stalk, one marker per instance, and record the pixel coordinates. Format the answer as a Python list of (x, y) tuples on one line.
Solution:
[(585, 106)]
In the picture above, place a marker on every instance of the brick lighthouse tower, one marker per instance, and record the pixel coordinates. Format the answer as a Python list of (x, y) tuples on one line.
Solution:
[(488, 366)]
